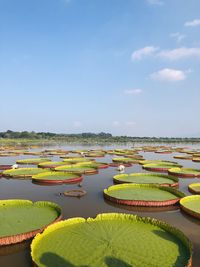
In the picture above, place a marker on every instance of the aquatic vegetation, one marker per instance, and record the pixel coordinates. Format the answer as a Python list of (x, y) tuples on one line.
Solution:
[(33, 161), (196, 159), (94, 164), (146, 241), (143, 195), (75, 160), (75, 193), (185, 172), (160, 167), (156, 161), (77, 168), (146, 178), (52, 164), (22, 219), (188, 157), (194, 188), (126, 160), (23, 172), (57, 178), (191, 205)]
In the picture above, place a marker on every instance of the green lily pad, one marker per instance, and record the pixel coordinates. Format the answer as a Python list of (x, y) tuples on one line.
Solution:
[(23, 172), (160, 167), (146, 178), (185, 172), (94, 164), (126, 160), (76, 168), (33, 161), (22, 219), (142, 195), (183, 157), (75, 160), (191, 205), (111, 239), (154, 161), (194, 188), (57, 177), (52, 164)]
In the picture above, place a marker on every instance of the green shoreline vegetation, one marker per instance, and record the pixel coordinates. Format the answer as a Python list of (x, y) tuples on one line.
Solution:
[(25, 137)]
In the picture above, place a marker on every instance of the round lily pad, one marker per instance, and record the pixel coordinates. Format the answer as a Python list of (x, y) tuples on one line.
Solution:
[(191, 205), (126, 160), (94, 155), (23, 219), (146, 178), (185, 172), (194, 188), (52, 164), (159, 167), (75, 160), (94, 164), (187, 157), (112, 239), (33, 161), (76, 168), (163, 151), (155, 161), (117, 164), (57, 178), (142, 195), (23, 172), (196, 159), (75, 193)]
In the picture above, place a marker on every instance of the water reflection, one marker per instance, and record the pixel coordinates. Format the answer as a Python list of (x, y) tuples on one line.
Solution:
[(143, 209)]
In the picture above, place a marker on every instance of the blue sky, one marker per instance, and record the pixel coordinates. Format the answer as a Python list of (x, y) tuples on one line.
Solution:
[(128, 67)]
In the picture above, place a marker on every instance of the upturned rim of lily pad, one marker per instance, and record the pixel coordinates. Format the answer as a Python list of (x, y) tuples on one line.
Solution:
[(17, 238)]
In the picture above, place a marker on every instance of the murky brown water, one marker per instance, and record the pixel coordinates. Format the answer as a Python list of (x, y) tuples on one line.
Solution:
[(93, 203)]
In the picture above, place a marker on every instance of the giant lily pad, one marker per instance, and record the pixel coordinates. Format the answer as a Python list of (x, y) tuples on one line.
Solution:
[(52, 164), (185, 172), (196, 159), (126, 160), (159, 167), (187, 157), (75, 160), (33, 161), (112, 239), (142, 195), (23, 172), (194, 188), (76, 168), (57, 178), (191, 205), (23, 219), (146, 178), (94, 164), (155, 161)]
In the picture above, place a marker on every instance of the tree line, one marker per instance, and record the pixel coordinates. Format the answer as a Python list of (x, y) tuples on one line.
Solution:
[(104, 137)]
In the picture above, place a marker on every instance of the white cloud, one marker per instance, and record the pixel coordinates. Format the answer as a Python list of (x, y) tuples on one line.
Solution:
[(179, 53), (146, 51), (192, 23), (168, 75), (77, 124), (178, 36), (133, 91), (155, 2)]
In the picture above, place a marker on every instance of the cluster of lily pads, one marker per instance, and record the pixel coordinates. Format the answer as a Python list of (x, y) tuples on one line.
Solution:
[(146, 240)]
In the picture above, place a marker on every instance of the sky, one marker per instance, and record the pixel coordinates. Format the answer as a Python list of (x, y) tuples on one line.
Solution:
[(127, 67)]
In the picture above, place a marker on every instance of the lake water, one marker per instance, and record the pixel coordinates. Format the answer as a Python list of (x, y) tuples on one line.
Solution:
[(93, 202)]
